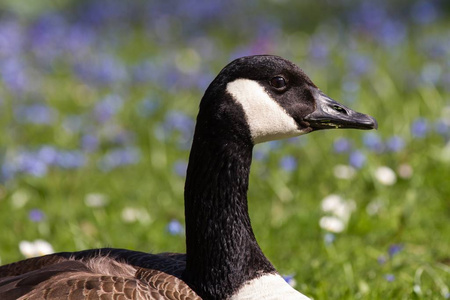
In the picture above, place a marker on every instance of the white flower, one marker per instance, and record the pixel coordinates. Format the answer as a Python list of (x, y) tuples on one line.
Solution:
[(20, 198), (374, 207), (96, 200), (131, 214), (385, 175), (337, 206), (332, 202), (344, 172), (35, 248), (332, 224)]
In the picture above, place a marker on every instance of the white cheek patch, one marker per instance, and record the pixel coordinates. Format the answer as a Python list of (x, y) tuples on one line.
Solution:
[(270, 286), (266, 118)]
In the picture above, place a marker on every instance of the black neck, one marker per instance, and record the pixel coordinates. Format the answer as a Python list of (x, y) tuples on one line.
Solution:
[(222, 252)]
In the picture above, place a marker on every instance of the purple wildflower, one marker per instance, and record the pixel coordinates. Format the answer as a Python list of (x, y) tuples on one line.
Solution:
[(73, 123), (290, 279), (442, 127), (373, 142), (89, 142), (389, 277), (395, 143), (30, 164), (394, 249), (119, 157), (11, 38), (175, 227), (15, 74), (288, 163), (342, 145), (70, 159), (259, 154), (419, 128), (180, 168), (35, 114), (424, 12), (357, 159), (381, 259), (47, 154), (36, 215), (147, 107), (329, 238), (101, 70), (179, 122), (359, 64), (107, 107)]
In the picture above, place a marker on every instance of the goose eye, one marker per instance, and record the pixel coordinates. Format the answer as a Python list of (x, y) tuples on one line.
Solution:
[(278, 82)]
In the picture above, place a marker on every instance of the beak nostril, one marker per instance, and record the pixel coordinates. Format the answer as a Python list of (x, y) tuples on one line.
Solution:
[(339, 109)]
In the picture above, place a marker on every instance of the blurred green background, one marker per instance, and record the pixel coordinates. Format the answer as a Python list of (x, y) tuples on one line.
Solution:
[(97, 107)]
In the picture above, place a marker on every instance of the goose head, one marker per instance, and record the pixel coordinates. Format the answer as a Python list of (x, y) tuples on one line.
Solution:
[(266, 97)]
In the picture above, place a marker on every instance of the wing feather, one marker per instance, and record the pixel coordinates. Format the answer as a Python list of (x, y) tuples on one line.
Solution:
[(97, 274)]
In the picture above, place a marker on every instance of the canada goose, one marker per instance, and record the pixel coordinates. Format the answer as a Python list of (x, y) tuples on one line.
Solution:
[(253, 99)]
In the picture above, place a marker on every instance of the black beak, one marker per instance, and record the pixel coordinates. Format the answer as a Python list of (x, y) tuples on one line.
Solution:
[(331, 114)]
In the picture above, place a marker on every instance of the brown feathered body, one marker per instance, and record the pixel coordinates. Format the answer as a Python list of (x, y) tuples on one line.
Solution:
[(97, 274)]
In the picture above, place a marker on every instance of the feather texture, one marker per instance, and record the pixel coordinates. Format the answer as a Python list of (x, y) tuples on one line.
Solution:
[(97, 274)]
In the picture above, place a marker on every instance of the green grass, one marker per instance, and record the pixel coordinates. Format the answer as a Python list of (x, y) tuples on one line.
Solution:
[(285, 207)]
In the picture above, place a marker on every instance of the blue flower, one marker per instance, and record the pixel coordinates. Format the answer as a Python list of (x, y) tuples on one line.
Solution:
[(342, 145), (146, 71), (319, 47), (176, 120), (419, 128), (179, 122), (424, 12), (389, 277), (175, 228), (288, 163), (395, 143), (36, 215), (29, 163), (290, 280), (11, 38), (442, 127), (15, 74), (35, 114), (381, 259), (70, 159), (47, 154), (329, 238), (73, 123), (392, 33), (357, 159), (394, 249), (89, 142), (107, 107), (8, 171), (101, 70), (78, 39), (373, 142), (147, 106), (119, 157), (180, 168), (46, 37), (259, 154), (359, 64)]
